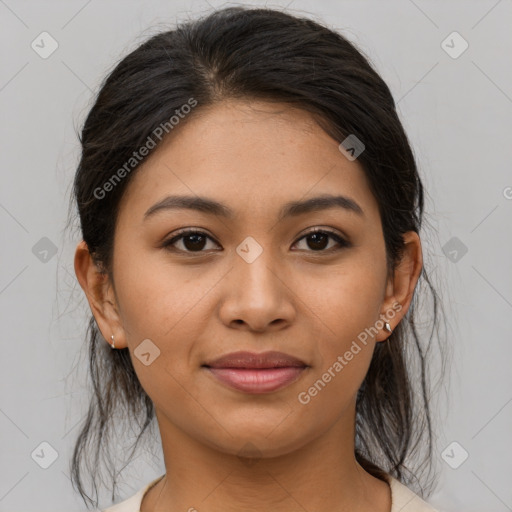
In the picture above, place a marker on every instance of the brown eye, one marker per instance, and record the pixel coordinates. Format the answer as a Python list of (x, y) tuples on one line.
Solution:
[(318, 240), (192, 241)]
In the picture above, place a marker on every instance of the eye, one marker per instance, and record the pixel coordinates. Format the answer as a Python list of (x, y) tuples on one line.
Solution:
[(195, 241), (192, 240), (319, 237)]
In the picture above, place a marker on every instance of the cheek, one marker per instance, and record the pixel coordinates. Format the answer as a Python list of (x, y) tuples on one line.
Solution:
[(155, 299), (347, 300), (346, 310), (166, 307)]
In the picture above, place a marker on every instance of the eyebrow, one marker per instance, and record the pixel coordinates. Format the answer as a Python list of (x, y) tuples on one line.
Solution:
[(291, 209)]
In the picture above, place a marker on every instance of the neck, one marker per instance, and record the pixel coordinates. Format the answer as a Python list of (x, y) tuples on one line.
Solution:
[(311, 477)]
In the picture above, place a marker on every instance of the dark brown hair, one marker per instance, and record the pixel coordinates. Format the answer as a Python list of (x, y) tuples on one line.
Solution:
[(254, 53)]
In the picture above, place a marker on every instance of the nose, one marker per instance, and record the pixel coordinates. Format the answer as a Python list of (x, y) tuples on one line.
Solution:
[(257, 296)]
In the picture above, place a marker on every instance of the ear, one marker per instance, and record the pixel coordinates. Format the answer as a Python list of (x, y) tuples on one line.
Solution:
[(100, 295), (401, 284)]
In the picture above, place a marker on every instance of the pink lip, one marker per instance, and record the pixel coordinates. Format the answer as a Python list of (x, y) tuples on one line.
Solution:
[(256, 373), (263, 380)]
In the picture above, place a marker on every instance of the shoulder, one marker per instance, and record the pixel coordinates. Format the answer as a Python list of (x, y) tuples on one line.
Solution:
[(133, 503), (404, 500)]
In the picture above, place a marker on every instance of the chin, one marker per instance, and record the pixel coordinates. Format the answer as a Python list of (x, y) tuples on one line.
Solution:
[(262, 439)]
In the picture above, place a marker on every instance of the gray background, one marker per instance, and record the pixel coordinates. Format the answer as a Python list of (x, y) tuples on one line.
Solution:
[(458, 115)]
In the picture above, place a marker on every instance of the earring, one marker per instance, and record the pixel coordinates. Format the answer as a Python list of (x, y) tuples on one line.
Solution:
[(388, 327), (112, 345)]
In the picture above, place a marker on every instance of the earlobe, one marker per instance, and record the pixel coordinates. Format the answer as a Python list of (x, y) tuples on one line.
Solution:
[(389, 319), (98, 290)]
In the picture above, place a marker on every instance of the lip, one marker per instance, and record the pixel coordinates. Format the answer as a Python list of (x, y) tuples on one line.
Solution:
[(243, 359), (256, 373)]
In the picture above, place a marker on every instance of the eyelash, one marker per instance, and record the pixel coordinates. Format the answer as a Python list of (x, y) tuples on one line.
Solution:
[(182, 234)]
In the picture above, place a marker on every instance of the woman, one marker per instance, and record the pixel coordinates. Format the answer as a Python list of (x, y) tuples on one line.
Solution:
[(250, 210)]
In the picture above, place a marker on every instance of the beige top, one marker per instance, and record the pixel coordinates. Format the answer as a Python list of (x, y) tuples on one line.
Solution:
[(402, 499)]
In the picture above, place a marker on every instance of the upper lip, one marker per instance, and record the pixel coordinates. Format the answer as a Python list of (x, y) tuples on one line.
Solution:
[(242, 359)]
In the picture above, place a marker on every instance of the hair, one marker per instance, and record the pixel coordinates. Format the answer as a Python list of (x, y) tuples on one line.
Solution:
[(259, 54)]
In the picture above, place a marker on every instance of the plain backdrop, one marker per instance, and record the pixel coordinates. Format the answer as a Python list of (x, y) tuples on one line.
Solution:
[(456, 106)]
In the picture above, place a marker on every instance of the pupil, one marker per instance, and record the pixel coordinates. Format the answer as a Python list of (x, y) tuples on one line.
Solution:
[(315, 237), (195, 239)]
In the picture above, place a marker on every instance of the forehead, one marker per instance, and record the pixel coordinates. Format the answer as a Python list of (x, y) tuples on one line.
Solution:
[(253, 157)]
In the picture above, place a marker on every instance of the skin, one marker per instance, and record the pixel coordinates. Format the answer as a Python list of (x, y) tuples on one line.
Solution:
[(197, 306)]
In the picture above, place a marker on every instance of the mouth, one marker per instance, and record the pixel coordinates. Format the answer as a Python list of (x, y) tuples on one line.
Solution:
[(256, 373)]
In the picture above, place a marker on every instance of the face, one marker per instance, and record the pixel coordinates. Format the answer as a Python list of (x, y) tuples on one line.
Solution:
[(252, 276)]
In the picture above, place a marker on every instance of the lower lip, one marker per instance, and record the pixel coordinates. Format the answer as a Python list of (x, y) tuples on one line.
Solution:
[(262, 380)]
